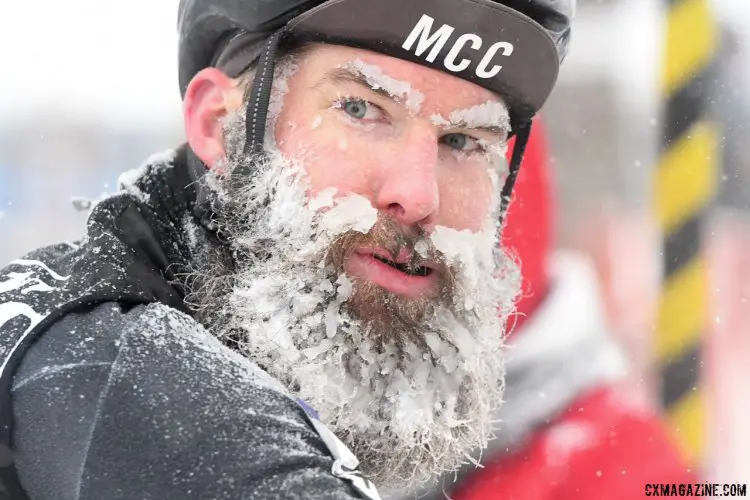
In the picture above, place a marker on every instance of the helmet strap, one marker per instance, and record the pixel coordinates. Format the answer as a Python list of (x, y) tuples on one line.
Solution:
[(523, 131), (257, 104)]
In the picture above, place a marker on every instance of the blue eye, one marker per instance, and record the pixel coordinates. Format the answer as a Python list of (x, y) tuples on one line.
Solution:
[(355, 109), (361, 110), (455, 141), (461, 142)]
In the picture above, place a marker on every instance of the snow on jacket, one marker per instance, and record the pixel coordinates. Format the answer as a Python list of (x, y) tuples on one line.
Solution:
[(122, 394)]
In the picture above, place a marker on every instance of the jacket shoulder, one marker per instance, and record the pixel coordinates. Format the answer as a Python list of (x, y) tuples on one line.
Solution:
[(200, 420), (57, 257)]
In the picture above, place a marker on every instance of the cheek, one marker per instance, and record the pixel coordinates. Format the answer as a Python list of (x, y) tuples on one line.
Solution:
[(467, 197), (330, 157)]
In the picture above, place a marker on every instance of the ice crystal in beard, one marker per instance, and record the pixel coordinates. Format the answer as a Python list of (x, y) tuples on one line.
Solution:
[(410, 386)]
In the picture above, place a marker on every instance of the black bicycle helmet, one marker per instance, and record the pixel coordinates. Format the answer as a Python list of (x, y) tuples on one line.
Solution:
[(511, 47)]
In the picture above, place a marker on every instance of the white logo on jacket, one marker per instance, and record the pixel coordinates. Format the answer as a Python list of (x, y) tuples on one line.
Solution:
[(346, 464), (438, 39), (24, 283)]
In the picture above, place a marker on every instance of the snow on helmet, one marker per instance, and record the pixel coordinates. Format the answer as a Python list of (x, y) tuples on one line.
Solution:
[(511, 47)]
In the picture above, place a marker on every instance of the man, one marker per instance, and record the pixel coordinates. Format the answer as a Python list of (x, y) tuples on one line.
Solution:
[(318, 262), (571, 425)]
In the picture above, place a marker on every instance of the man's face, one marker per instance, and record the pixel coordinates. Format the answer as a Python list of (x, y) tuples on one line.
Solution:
[(421, 146), (367, 275), (378, 126)]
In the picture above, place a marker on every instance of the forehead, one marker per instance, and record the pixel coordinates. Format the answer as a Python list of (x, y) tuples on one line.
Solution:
[(443, 93)]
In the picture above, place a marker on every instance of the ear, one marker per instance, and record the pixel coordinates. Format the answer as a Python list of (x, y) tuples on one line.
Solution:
[(209, 97)]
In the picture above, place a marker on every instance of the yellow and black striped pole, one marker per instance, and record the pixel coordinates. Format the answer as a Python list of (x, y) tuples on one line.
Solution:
[(685, 182)]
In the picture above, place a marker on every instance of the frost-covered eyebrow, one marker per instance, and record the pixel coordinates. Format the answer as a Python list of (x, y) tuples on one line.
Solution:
[(491, 117), (347, 75), (499, 130)]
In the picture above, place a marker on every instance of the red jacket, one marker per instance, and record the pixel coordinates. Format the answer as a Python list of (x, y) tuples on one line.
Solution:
[(597, 449)]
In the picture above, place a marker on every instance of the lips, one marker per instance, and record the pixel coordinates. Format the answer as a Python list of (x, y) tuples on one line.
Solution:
[(404, 266), (400, 276)]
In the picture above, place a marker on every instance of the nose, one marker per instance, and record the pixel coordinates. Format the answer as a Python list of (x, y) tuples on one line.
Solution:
[(408, 188)]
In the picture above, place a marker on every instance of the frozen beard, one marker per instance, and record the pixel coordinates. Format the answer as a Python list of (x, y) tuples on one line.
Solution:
[(409, 384)]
